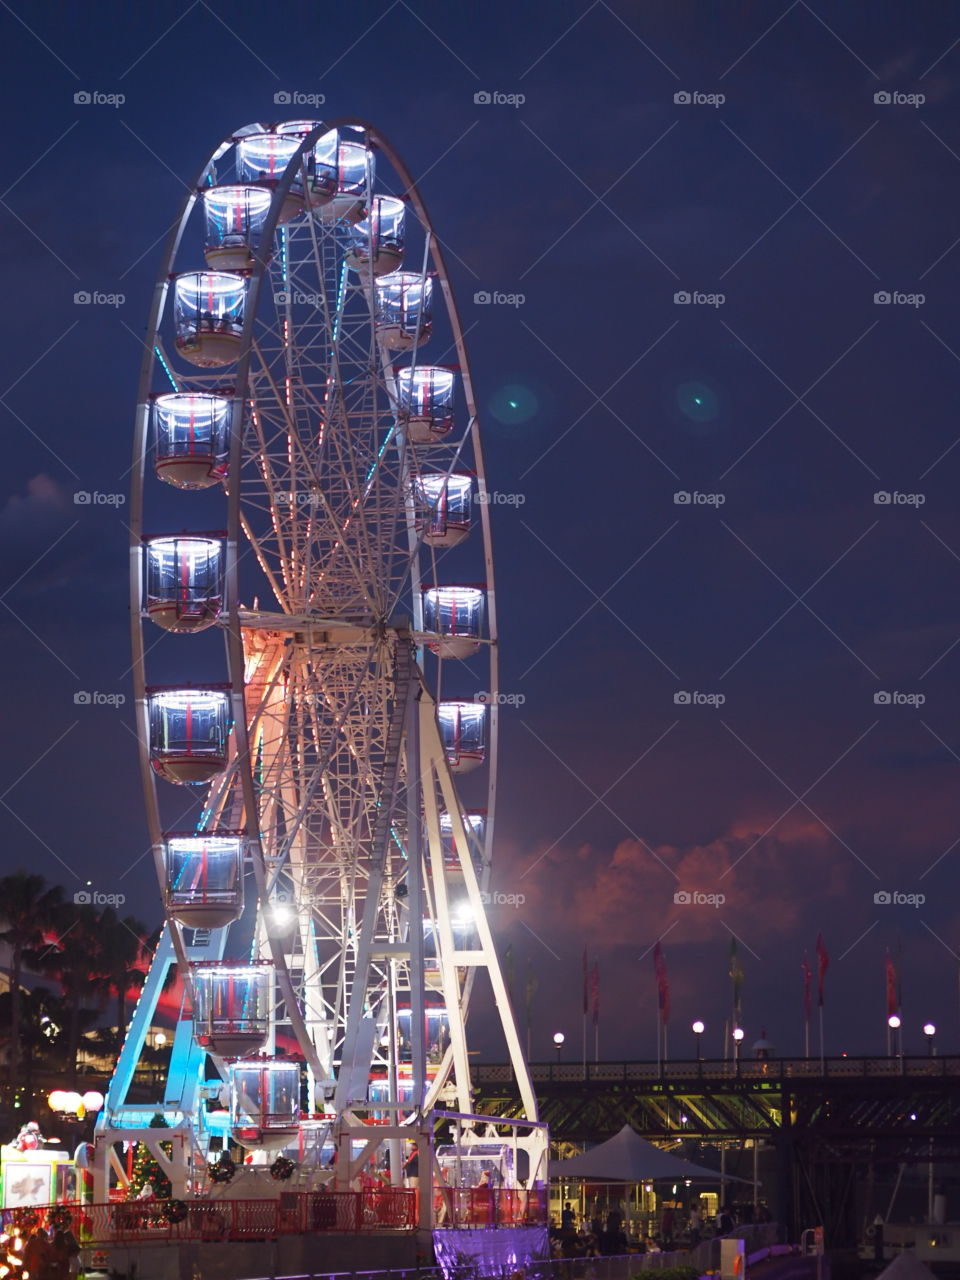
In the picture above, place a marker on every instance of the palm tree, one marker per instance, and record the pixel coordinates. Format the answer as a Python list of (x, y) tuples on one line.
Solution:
[(123, 959), (76, 959), (29, 908)]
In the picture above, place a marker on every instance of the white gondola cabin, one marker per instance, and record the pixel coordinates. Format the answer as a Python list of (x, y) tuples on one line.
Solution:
[(262, 158), (453, 619), (474, 827), (189, 729), (444, 508), (425, 403), (232, 1007), (403, 302), (208, 317), (204, 879), (342, 175), (234, 220), (183, 588), (378, 238), (463, 728), (190, 438), (264, 1102), (435, 1032)]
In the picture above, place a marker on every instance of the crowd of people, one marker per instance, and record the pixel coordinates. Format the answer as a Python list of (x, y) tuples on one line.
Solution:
[(673, 1229)]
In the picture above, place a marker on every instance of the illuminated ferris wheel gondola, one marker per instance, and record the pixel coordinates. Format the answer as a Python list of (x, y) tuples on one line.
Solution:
[(286, 395)]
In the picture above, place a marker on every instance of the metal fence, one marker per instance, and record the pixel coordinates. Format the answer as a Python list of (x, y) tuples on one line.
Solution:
[(144, 1222)]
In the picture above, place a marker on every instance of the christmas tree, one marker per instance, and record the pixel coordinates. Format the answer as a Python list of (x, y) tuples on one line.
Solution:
[(147, 1169)]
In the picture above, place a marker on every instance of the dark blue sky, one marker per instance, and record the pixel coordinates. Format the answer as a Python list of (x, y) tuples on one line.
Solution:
[(798, 198)]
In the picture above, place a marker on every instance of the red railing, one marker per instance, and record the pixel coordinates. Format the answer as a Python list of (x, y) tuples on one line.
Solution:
[(162, 1221)]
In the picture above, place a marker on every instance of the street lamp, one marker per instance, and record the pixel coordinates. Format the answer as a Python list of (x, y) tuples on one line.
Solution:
[(73, 1104), (558, 1039), (698, 1030), (929, 1030), (893, 1034), (737, 1041)]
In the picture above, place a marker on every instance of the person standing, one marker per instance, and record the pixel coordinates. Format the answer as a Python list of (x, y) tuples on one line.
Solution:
[(38, 1255), (696, 1223), (666, 1228)]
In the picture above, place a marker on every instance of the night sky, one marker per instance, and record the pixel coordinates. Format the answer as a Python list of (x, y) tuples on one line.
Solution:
[(783, 586)]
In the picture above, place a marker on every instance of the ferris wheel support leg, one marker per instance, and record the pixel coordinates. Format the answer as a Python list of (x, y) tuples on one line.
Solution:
[(450, 982), (435, 762), (415, 904)]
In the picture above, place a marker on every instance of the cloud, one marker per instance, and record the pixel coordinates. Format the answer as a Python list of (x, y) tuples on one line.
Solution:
[(767, 884)]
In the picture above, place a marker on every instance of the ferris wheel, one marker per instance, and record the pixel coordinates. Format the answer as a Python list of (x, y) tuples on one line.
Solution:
[(325, 898)]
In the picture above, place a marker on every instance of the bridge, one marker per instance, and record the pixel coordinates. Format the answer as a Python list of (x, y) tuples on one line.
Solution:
[(820, 1132)]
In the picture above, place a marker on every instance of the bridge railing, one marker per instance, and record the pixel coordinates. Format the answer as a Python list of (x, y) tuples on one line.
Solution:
[(718, 1068)]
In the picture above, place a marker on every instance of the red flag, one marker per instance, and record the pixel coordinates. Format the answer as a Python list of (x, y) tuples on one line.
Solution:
[(823, 963), (595, 992), (663, 985), (891, 972), (586, 997), (805, 967)]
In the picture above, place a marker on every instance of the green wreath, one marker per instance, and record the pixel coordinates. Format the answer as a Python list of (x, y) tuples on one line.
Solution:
[(281, 1169), (223, 1170), (174, 1211), (60, 1218)]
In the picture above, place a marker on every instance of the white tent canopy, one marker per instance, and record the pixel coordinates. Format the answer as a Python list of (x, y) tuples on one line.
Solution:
[(906, 1266), (629, 1158)]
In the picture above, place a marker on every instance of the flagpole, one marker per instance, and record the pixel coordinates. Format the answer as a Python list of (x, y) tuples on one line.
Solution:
[(806, 1035), (822, 1067)]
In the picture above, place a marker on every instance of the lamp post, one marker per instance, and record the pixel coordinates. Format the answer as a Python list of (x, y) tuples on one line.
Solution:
[(698, 1030), (74, 1106), (929, 1030), (737, 1041), (893, 1034), (558, 1039)]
